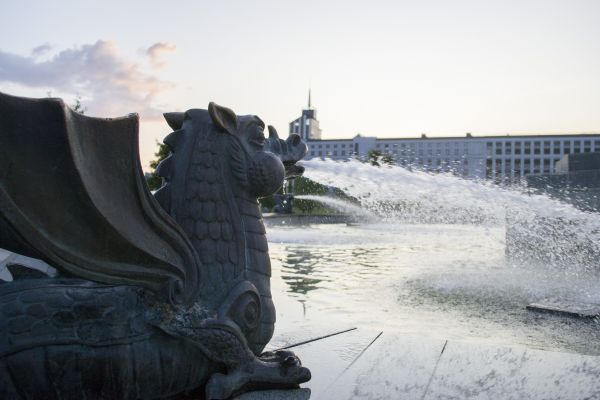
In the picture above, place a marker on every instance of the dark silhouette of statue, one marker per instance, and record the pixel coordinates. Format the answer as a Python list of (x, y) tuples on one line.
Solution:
[(140, 297)]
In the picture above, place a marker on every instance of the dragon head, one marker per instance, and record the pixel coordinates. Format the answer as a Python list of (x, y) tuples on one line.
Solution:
[(290, 151), (269, 160)]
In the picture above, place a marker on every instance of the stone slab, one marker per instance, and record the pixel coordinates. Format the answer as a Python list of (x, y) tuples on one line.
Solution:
[(328, 358), (482, 371), (398, 366), (394, 367), (572, 309)]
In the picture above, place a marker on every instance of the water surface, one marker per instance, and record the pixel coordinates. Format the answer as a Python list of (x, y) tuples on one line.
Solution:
[(450, 281)]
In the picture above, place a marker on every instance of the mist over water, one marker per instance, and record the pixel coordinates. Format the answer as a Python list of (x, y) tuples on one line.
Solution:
[(443, 256)]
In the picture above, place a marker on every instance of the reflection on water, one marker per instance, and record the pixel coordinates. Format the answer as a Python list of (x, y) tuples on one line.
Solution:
[(450, 281), (309, 268), (299, 270)]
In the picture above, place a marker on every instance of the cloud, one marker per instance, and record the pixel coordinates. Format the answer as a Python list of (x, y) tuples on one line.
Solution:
[(109, 84), (41, 49), (156, 52)]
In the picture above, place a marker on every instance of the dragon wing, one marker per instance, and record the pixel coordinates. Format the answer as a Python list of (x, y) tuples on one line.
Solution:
[(72, 191)]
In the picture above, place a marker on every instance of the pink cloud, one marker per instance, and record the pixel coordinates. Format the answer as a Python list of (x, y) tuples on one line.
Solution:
[(109, 83), (157, 51)]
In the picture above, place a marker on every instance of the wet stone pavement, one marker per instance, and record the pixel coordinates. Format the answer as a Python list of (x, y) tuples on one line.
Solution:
[(399, 366)]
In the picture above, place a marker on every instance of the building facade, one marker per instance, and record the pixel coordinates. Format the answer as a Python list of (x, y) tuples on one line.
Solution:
[(500, 158)]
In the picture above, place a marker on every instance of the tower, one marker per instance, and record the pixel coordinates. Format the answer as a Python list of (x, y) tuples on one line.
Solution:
[(307, 125)]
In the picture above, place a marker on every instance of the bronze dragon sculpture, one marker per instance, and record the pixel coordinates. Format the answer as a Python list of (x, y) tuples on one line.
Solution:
[(141, 297)]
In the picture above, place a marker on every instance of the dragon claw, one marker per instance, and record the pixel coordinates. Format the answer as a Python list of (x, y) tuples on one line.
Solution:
[(273, 370)]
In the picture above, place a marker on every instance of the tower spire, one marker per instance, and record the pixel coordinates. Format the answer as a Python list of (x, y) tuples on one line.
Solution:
[(309, 105)]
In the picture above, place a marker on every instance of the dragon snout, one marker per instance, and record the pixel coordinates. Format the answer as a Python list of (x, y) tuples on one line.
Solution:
[(296, 146), (293, 170), (289, 151), (294, 139)]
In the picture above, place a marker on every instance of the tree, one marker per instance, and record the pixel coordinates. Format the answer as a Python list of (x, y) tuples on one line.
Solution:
[(388, 159), (376, 158), (154, 181), (373, 157), (78, 106)]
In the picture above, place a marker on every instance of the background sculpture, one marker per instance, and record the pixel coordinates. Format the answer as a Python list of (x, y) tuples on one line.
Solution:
[(152, 299)]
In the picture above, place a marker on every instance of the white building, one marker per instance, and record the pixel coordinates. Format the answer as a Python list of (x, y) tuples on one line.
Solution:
[(502, 158)]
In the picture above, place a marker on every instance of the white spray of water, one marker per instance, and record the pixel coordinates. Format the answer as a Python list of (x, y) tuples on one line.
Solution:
[(540, 227), (340, 205)]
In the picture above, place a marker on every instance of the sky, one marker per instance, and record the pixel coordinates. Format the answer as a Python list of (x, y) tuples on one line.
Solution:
[(378, 68)]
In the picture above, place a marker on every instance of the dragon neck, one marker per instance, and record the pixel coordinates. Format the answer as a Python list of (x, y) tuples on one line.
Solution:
[(224, 224), (208, 195)]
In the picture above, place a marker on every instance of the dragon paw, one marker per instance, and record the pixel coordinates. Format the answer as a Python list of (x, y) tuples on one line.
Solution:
[(272, 370)]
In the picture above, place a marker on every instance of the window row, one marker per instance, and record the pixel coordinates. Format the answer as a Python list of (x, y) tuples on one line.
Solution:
[(543, 147)]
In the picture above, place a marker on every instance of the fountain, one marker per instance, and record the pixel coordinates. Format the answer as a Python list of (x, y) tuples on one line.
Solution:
[(419, 299), (431, 271)]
